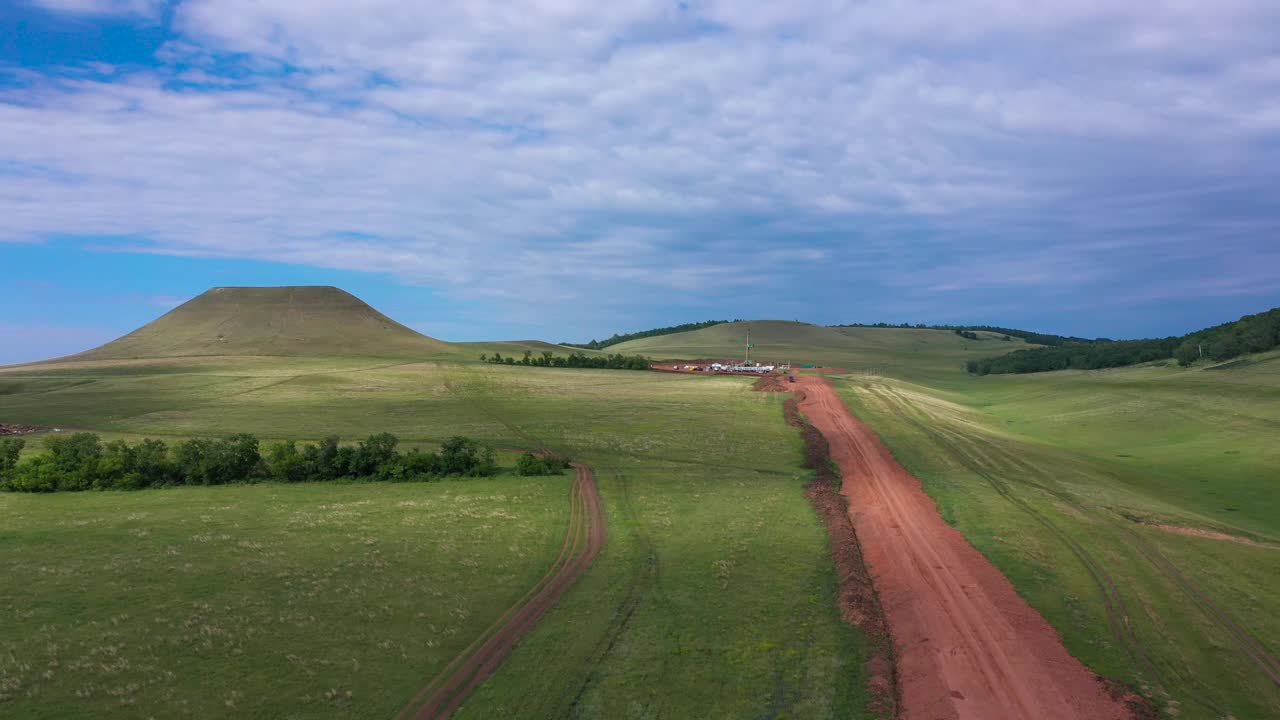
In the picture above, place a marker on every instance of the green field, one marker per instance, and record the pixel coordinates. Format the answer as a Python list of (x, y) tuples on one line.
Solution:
[(260, 601), (1062, 479), (713, 595), (924, 355)]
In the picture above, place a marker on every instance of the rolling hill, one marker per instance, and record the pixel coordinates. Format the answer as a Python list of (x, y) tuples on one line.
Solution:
[(908, 352), (286, 321)]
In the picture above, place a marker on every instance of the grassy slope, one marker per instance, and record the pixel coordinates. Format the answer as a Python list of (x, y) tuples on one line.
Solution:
[(712, 597), (920, 354), (1088, 453)]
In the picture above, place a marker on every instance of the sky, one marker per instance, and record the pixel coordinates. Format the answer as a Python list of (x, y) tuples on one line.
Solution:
[(566, 170)]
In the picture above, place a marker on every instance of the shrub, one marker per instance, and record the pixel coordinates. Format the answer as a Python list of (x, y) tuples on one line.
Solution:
[(464, 456), (217, 462), (284, 462), (321, 460), (373, 454), (530, 464), (75, 460), (10, 449), (38, 474)]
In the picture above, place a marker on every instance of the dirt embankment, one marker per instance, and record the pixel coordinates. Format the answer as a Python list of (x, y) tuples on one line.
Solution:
[(11, 429), (855, 593), (583, 541), (966, 646), (771, 383)]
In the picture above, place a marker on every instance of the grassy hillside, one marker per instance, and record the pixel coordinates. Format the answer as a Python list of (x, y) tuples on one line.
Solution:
[(916, 353), (713, 597), (1250, 334), (317, 321), (1134, 507), (714, 589)]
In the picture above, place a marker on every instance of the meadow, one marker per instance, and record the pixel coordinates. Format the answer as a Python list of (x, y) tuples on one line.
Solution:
[(929, 356), (713, 595), (258, 601), (1134, 508)]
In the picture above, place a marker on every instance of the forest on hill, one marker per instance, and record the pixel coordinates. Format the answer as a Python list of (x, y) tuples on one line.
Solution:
[(1249, 334)]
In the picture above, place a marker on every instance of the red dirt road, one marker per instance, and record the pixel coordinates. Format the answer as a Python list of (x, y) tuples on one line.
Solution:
[(967, 646), (583, 541)]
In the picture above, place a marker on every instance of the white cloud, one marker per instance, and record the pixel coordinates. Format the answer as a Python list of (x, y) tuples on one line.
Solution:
[(564, 148)]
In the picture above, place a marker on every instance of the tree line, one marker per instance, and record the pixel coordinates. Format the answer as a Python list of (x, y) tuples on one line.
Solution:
[(616, 361), (82, 461), (967, 331), (621, 338), (971, 335), (1251, 333)]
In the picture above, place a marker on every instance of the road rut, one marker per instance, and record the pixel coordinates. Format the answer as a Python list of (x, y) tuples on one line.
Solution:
[(583, 541)]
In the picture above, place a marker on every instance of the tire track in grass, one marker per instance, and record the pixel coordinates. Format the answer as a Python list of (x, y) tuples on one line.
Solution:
[(643, 577), (1179, 677), (583, 541), (1246, 642), (1117, 613)]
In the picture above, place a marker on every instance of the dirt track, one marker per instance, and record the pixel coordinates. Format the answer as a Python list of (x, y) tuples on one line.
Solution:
[(966, 645), (584, 539)]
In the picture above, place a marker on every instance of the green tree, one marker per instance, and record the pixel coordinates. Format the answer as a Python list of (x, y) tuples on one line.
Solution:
[(10, 449), (75, 459), (284, 461), (373, 454)]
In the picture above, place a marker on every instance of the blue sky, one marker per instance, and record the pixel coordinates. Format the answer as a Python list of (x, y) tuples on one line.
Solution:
[(566, 170)]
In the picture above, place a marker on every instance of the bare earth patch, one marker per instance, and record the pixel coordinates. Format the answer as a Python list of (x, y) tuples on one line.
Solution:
[(1211, 534)]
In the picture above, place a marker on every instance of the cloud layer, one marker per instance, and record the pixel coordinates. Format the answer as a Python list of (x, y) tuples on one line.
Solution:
[(558, 155)]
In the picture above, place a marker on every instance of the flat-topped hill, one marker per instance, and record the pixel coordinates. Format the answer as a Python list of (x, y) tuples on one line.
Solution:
[(303, 320)]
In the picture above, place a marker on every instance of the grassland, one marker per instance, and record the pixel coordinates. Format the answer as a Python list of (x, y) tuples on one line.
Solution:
[(1073, 484), (1064, 480), (713, 596), (260, 601), (920, 354)]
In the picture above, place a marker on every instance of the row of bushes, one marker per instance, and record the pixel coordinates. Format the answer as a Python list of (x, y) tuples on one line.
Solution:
[(530, 464), (616, 361), (83, 462)]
